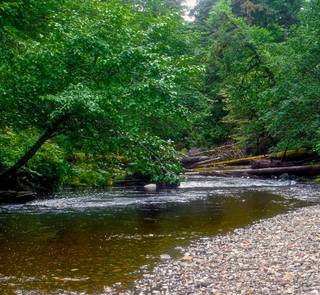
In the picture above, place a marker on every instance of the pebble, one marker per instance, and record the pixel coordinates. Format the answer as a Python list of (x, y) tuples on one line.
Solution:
[(165, 257), (276, 256), (187, 258)]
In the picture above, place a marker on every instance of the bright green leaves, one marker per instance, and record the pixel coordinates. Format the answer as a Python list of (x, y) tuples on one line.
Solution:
[(264, 89), (96, 70), (293, 117), (49, 164), (153, 159), (74, 101)]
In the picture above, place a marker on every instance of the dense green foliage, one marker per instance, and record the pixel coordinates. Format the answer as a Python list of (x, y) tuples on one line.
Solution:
[(263, 71), (93, 91), (97, 74)]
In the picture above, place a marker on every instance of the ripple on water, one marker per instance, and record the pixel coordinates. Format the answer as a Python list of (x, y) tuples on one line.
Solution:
[(232, 182), (110, 235), (194, 188)]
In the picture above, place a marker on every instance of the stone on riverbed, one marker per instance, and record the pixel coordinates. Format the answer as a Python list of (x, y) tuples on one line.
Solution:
[(187, 257), (152, 187), (165, 257), (276, 256)]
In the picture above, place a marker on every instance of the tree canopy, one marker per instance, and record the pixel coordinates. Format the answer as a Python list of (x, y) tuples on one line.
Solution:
[(262, 72), (91, 91)]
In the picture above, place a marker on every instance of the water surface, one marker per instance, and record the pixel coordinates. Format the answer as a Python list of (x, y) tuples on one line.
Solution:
[(83, 242)]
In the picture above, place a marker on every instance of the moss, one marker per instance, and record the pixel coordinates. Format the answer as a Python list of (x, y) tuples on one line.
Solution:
[(294, 154), (240, 161)]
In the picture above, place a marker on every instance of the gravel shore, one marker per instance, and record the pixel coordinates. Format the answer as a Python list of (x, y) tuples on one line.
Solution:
[(280, 255)]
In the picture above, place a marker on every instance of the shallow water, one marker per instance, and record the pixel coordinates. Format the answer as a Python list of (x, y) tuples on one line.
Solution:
[(86, 241)]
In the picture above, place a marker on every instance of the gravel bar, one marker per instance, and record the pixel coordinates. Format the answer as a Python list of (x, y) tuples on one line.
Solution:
[(280, 255)]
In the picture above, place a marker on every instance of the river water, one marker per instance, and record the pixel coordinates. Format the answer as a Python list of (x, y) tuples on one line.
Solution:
[(82, 242)]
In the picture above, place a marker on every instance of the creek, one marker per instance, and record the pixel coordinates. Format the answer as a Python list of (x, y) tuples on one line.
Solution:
[(84, 241)]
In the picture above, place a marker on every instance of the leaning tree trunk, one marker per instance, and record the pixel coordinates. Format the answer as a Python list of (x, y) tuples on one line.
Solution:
[(11, 172)]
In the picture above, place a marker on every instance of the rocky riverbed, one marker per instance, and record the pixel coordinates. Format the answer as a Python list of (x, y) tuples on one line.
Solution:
[(280, 255)]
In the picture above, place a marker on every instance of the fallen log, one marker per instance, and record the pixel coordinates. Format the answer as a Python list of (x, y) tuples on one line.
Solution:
[(259, 164), (299, 154), (281, 159), (197, 164), (266, 163), (310, 170), (16, 197), (212, 151), (25, 196), (236, 162), (269, 160), (191, 160)]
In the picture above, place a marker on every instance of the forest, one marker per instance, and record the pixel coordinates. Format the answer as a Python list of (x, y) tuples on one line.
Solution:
[(97, 91)]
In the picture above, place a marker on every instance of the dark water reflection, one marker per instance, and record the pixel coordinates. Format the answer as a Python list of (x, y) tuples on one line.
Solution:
[(62, 245)]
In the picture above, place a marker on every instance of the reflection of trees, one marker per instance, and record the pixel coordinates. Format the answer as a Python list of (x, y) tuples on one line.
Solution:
[(40, 244), (250, 206), (176, 218), (149, 218)]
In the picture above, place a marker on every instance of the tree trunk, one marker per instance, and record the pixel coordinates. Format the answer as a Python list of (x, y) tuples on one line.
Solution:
[(310, 170), (254, 50), (186, 161), (204, 162), (11, 172), (241, 161), (285, 153)]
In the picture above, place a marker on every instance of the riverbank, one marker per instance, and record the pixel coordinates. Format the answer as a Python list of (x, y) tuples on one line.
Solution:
[(280, 255)]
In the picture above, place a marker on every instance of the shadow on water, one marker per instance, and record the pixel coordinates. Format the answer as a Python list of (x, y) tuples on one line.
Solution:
[(68, 244)]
